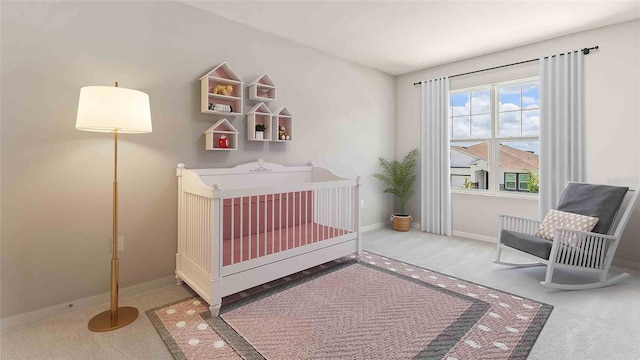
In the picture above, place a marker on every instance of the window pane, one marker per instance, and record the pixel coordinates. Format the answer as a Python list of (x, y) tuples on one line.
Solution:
[(510, 181), (480, 102), (521, 158), (469, 165), (531, 123), (461, 127), (460, 104), (481, 126), (510, 124), (531, 95), (523, 182), (509, 97)]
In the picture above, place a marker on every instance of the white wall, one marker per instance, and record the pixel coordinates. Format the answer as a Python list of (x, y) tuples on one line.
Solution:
[(56, 181), (612, 115)]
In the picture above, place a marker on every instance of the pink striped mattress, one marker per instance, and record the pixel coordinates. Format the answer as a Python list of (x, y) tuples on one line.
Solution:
[(271, 223), (267, 243)]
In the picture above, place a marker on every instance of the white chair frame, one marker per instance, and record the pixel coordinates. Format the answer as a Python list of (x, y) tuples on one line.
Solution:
[(573, 250)]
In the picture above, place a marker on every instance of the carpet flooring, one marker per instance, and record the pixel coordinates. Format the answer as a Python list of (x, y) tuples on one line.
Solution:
[(379, 308)]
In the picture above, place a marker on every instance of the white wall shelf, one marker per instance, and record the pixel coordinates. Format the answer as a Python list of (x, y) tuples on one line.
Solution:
[(221, 91), (282, 121), (262, 89), (216, 134), (259, 115)]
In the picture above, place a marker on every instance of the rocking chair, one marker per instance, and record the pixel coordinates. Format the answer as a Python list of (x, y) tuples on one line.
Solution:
[(583, 251)]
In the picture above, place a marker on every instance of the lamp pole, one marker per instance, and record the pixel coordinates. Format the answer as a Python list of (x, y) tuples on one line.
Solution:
[(116, 317)]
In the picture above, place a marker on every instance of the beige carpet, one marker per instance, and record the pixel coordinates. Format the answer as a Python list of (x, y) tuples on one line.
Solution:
[(377, 309)]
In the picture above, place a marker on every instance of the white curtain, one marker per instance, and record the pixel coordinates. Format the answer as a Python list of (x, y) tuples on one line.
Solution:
[(435, 202), (561, 126)]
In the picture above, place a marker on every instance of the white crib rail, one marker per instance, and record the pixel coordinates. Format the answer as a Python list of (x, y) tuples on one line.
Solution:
[(270, 220), (197, 230)]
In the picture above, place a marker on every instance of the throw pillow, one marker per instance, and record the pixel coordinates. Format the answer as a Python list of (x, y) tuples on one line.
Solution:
[(560, 219)]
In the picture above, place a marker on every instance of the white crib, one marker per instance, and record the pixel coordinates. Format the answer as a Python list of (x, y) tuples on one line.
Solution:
[(247, 225)]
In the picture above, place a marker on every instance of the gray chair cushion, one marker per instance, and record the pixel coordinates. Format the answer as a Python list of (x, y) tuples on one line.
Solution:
[(528, 243), (601, 201)]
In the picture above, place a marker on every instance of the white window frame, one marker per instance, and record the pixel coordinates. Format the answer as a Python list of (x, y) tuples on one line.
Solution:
[(494, 141)]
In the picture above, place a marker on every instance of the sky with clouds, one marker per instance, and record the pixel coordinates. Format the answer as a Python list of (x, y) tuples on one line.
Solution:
[(518, 114)]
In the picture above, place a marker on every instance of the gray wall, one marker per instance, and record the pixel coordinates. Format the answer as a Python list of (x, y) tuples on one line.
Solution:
[(56, 181), (612, 110)]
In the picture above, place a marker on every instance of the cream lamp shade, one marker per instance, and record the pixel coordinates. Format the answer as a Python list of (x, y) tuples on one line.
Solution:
[(109, 108)]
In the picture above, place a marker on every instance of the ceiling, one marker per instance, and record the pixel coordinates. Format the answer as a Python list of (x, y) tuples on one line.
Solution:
[(398, 37)]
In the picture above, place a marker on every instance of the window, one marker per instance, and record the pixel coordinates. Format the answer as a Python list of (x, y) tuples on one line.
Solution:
[(517, 182), (510, 181), (494, 133)]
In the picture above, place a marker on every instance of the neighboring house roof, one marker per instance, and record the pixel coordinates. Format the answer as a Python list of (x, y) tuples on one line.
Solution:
[(510, 157)]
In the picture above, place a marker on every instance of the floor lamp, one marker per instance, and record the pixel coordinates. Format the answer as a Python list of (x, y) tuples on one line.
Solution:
[(115, 110)]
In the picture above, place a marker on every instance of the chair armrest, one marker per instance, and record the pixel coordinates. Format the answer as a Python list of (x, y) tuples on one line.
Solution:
[(519, 224), (581, 248), (564, 232)]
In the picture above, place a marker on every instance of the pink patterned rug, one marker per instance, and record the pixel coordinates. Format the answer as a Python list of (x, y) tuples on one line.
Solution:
[(376, 309)]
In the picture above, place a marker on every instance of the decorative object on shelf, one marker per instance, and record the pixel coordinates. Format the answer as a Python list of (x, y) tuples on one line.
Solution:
[(260, 132), (223, 143), (283, 125), (221, 136), (282, 133), (221, 91), (220, 107), (400, 178), (262, 89), (116, 110), (259, 117)]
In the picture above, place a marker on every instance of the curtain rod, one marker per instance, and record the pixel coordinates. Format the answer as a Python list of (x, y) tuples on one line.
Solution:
[(585, 51)]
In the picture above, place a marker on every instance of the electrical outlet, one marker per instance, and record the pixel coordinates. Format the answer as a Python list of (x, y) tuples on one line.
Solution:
[(362, 203), (120, 244)]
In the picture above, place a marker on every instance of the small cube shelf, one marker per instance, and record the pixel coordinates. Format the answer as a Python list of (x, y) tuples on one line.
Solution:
[(221, 136), (259, 117), (282, 125), (221, 91), (262, 89)]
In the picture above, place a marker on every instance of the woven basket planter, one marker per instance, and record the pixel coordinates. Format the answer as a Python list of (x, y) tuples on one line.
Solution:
[(401, 222)]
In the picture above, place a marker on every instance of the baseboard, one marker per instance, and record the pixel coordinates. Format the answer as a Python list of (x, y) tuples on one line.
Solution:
[(473, 236), (60, 309), (372, 227), (630, 264)]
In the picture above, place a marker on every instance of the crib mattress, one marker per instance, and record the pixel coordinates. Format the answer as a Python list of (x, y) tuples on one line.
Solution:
[(265, 243)]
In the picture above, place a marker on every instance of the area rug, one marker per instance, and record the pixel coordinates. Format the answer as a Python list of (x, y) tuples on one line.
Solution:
[(378, 308)]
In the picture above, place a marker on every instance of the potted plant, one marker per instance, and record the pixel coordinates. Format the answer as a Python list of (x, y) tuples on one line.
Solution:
[(260, 131), (400, 178)]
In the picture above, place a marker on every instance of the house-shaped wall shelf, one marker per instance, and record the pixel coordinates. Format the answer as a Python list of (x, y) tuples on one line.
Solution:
[(221, 136), (221, 91), (259, 115), (262, 89), (282, 125)]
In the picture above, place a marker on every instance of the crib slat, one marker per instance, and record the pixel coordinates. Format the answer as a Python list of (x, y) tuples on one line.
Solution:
[(287, 221), (241, 229), (264, 230), (306, 218), (250, 245), (233, 257), (299, 219), (280, 223), (273, 229)]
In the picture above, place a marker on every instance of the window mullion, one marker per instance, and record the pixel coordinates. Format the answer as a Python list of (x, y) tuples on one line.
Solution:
[(493, 146)]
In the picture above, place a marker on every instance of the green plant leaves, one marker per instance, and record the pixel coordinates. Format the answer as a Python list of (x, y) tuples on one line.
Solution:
[(400, 177)]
